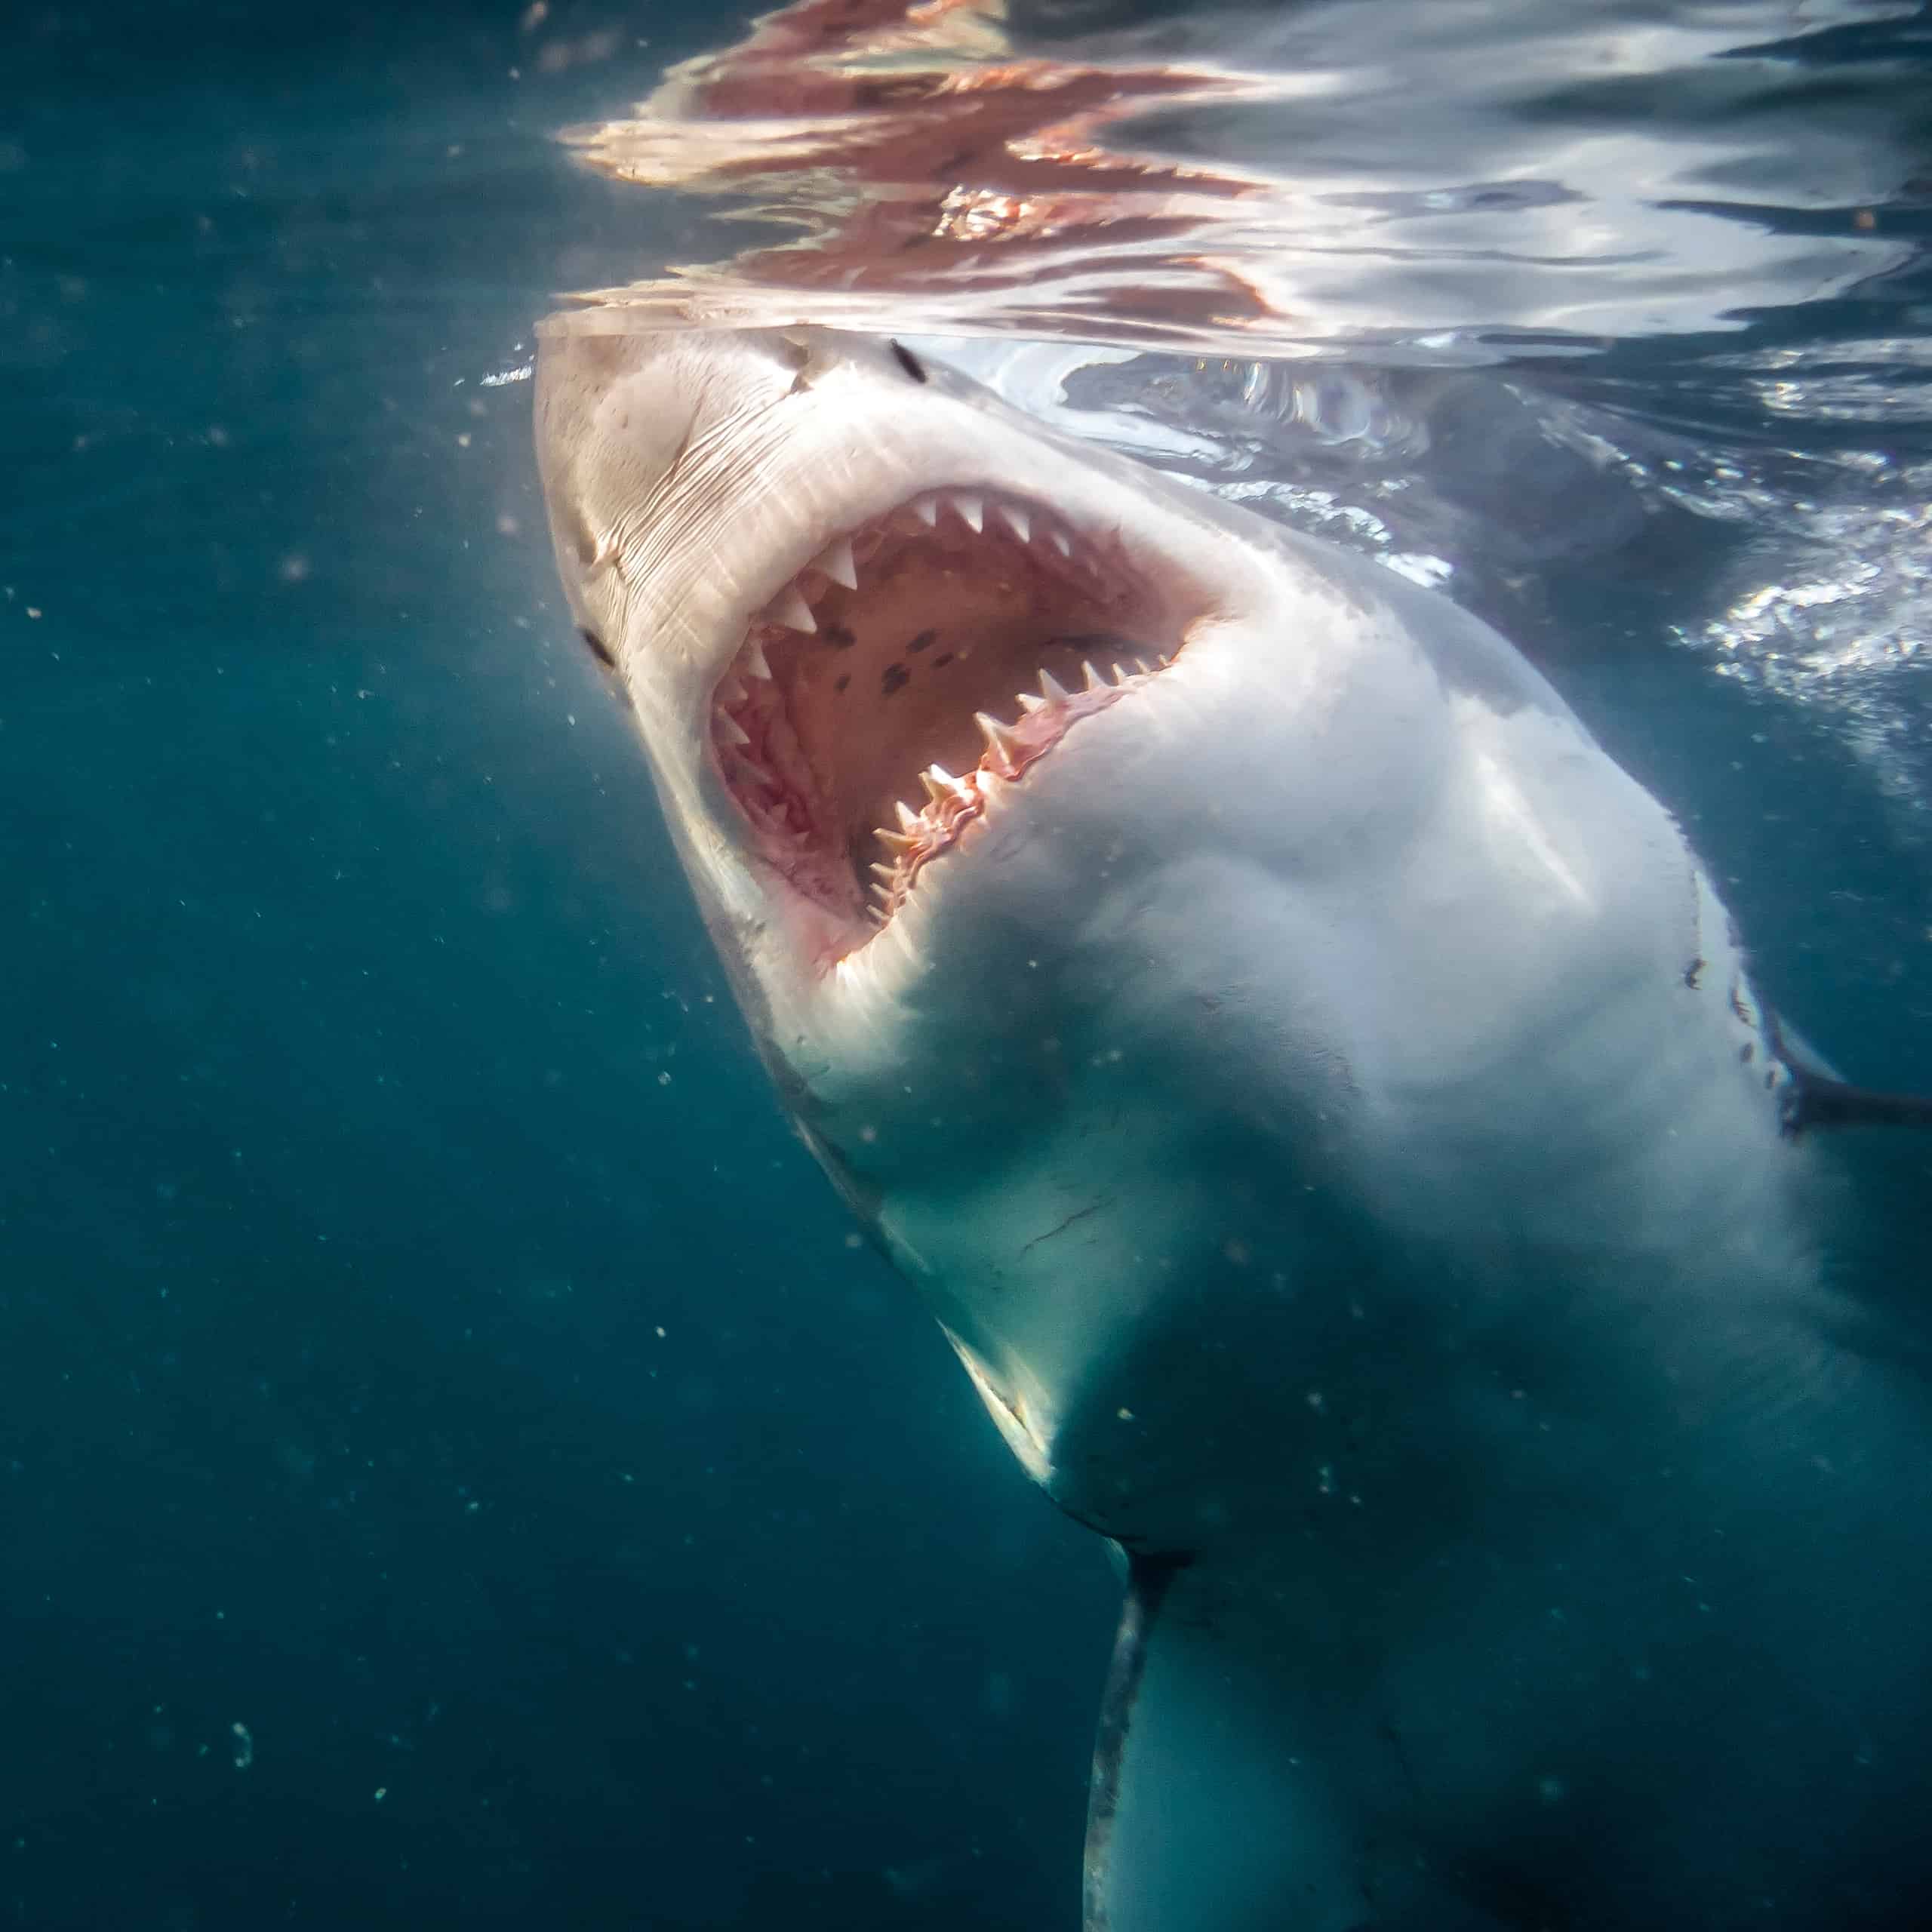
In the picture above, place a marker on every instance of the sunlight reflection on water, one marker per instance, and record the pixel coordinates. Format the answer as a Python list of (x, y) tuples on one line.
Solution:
[(1263, 183)]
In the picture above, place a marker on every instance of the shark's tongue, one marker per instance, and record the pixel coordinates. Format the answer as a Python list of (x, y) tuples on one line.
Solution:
[(960, 634)]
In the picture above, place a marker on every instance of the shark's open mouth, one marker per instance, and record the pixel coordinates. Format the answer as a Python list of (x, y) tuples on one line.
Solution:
[(920, 663)]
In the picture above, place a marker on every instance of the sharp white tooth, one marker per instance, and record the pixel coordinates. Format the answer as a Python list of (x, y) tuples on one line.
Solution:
[(1017, 521), (1141, 665), (1092, 676), (755, 660), (926, 508), (1121, 674), (1032, 701), (792, 611), (1051, 688), (731, 692), (909, 820), (894, 842), (1060, 544), (760, 775), (972, 509), (999, 740), (936, 779), (888, 873), (835, 560), (729, 729)]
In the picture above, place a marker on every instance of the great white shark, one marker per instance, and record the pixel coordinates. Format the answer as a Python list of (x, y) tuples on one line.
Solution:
[(1324, 1099)]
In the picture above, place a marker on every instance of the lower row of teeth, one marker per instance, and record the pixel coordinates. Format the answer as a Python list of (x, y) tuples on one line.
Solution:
[(950, 800)]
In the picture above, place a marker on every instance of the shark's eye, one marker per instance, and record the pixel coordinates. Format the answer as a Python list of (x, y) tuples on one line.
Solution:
[(910, 362), (598, 648)]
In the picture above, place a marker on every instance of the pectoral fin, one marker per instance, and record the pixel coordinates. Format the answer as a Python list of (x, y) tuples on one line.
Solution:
[(1201, 1818), (1817, 1101), (1219, 1801), (1816, 1097)]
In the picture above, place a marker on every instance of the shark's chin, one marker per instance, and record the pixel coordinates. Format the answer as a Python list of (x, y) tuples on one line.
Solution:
[(914, 671)]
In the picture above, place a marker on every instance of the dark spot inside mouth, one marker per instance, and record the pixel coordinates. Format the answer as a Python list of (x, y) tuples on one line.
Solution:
[(839, 637), (893, 678), (839, 683), (922, 642), (942, 660)]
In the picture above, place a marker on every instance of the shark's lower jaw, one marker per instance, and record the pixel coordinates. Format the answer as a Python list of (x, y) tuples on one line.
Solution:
[(961, 633)]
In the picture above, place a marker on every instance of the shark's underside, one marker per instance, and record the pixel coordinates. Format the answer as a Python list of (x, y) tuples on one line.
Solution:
[(1323, 1101)]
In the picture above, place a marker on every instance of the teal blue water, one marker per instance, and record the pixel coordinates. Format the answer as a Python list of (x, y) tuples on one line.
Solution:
[(457, 1466)]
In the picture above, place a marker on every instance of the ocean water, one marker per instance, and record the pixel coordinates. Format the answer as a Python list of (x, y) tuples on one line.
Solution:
[(457, 1465)]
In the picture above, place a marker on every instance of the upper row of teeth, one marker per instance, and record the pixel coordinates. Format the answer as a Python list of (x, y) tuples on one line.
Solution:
[(790, 610)]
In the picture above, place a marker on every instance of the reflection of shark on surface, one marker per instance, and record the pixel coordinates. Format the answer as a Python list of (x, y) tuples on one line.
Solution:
[(1323, 1100)]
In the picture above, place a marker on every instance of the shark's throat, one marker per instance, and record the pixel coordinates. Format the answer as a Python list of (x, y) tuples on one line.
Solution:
[(918, 664)]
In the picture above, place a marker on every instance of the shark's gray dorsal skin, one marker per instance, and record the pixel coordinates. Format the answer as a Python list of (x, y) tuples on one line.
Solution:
[(1322, 1098)]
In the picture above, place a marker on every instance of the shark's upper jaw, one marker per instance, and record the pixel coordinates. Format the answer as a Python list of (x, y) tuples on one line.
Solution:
[(921, 663)]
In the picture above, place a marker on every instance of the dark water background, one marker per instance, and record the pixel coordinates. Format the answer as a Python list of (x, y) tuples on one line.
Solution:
[(455, 1469)]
